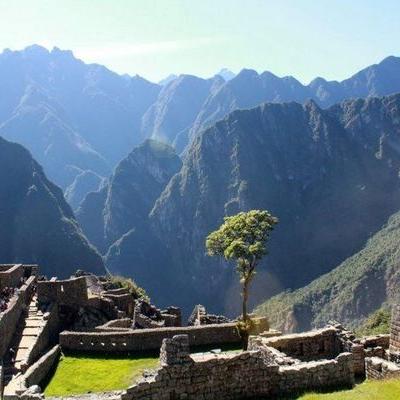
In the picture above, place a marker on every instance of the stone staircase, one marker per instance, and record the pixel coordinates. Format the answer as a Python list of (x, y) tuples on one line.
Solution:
[(29, 327)]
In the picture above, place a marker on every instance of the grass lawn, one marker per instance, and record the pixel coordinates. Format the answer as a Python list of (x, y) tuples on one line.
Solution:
[(77, 374), (368, 390)]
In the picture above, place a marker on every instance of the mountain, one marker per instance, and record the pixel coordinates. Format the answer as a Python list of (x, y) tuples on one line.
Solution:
[(87, 181), (40, 125), (167, 79), (177, 119), (36, 223), (76, 117), (226, 74), (249, 89), (331, 176), (125, 201), (176, 108), (72, 116), (350, 293)]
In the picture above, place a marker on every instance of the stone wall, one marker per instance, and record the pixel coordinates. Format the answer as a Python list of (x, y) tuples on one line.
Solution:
[(313, 345), (38, 372), (234, 375), (395, 331), (376, 341), (124, 301), (9, 318), (70, 292), (11, 275), (46, 337), (378, 368), (314, 375), (115, 325), (148, 339)]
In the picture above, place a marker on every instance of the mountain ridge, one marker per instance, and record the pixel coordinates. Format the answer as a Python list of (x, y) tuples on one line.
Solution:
[(36, 223), (305, 164)]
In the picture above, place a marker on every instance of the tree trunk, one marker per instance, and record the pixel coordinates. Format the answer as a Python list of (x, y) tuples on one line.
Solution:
[(244, 332), (245, 295)]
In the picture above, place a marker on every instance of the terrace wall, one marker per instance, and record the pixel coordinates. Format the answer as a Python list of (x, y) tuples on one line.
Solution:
[(313, 345), (378, 368), (234, 376), (39, 371), (47, 336), (147, 339)]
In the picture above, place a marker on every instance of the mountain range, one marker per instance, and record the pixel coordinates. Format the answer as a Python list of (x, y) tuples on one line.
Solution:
[(73, 117), (330, 175), (150, 169), (79, 120), (36, 223)]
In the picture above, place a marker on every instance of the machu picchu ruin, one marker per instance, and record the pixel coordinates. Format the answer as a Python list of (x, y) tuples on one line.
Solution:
[(42, 319), (199, 200)]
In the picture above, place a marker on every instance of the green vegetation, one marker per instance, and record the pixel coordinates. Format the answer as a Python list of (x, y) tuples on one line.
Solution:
[(359, 286), (77, 374), (130, 284), (368, 390), (376, 323), (243, 238)]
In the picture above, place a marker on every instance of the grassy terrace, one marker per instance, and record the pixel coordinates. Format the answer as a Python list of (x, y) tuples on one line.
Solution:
[(84, 373)]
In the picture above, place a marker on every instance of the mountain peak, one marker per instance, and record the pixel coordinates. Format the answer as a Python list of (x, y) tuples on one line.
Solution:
[(167, 79), (36, 49), (226, 74)]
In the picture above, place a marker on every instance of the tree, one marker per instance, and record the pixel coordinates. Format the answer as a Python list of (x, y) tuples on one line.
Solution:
[(243, 238)]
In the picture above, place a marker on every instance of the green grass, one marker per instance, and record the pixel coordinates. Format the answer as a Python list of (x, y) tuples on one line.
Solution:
[(368, 390), (377, 323), (77, 374)]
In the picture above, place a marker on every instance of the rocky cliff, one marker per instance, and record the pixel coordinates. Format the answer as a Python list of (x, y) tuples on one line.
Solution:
[(128, 197), (331, 176), (36, 223)]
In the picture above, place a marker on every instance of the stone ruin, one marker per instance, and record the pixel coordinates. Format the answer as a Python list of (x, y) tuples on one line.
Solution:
[(199, 316), (37, 313), (386, 363), (146, 315), (87, 313)]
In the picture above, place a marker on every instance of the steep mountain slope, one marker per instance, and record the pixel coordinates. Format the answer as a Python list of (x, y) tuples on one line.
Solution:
[(99, 116), (331, 176), (249, 89), (176, 108), (127, 199), (349, 293), (36, 224), (87, 181), (39, 124), (90, 110)]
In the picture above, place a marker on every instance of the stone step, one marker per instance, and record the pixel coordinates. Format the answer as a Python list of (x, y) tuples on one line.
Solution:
[(26, 341), (30, 331), (34, 324)]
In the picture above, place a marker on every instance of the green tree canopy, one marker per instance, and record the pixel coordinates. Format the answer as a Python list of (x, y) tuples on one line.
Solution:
[(243, 237)]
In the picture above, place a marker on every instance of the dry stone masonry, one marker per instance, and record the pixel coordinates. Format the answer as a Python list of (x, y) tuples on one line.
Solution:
[(42, 318)]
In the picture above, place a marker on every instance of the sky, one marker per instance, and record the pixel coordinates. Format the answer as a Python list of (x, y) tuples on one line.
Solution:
[(154, 38)]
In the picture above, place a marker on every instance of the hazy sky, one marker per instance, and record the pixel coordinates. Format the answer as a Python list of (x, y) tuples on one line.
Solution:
[(153, 38)]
